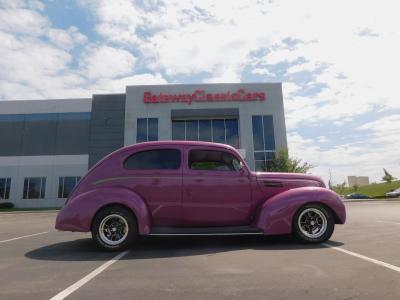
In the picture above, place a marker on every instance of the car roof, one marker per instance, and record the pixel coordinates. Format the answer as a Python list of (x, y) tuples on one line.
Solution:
[(179, 143), (147, 145)]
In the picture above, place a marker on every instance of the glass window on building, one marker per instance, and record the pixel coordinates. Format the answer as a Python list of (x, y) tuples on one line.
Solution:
[(66, 184), (147, 130), (5, 184), (232, 132), (264, 142), (224, 131), (178, 130), (205, 131), (34, 188)]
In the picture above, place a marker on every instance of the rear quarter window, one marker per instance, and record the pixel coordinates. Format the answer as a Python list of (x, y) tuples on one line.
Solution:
[(158, 159)]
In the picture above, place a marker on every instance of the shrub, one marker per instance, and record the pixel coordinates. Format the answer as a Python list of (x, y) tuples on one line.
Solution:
[(284, 163), (6, 205)]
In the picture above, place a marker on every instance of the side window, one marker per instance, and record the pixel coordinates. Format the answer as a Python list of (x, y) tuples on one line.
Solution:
[(213, 161), (162, 159)]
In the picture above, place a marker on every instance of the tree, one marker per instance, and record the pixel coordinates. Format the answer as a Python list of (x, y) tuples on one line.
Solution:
[(330, 185), (340, 188), (283, 163), (387, 177), (355, 187)]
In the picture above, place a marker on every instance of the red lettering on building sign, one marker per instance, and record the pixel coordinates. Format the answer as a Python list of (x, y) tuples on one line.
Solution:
[(203, 96)]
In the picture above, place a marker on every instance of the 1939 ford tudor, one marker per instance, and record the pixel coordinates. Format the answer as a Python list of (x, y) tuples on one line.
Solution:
[(181, 187)]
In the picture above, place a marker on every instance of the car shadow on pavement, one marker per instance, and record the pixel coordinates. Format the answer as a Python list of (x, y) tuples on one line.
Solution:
[(170, 246)]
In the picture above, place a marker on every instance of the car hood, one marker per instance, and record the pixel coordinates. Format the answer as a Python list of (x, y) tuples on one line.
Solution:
[(271, 184), (305, 179)]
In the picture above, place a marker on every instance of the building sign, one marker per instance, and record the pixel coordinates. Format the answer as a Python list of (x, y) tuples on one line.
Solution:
[(203, 96)]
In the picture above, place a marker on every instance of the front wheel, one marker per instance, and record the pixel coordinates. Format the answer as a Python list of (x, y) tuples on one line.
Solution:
[(114, 228), (313, 223)]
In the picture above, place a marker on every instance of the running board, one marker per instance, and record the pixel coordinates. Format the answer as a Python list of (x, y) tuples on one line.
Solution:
[(226, 230)]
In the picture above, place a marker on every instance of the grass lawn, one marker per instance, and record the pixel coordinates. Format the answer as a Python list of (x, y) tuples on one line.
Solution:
[(374, 190)]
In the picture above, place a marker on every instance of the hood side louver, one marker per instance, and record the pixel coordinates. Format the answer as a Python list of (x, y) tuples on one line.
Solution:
[(272, 183)]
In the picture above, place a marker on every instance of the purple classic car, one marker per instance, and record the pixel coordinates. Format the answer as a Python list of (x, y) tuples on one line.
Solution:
[(180, 187)]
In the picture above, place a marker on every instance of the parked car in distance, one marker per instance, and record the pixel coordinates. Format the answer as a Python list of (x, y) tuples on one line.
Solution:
[(357, 196), (393, 194), (183, 187)]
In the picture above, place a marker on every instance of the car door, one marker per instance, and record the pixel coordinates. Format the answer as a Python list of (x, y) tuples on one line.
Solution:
[(156, 175), (214, 194)]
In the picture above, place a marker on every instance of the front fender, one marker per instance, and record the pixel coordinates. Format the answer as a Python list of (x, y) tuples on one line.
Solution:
[(276, 214), (78, 213)]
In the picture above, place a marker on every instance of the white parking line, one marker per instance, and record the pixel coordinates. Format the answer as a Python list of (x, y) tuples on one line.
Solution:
[(389, 222), (372, 260), (24, 236), (72, 288)]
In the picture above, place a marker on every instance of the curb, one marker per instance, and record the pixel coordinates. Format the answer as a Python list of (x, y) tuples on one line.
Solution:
[(372, 200), (28, 212)]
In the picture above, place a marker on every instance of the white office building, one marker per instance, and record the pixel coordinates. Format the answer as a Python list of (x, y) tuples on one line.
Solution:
[(47, 145)]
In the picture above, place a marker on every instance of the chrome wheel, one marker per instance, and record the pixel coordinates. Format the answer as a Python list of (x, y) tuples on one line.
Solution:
[(312, 223), (113, 229)]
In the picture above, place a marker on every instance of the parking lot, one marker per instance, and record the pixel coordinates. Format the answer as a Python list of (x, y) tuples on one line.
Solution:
[(37, 262)]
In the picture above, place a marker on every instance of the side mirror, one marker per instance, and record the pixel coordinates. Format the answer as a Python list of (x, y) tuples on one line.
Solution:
[(237, 165), (242, 169)]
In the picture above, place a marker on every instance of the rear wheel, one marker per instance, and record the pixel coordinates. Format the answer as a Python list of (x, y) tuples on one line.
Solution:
[(313, 223), (114, 228)]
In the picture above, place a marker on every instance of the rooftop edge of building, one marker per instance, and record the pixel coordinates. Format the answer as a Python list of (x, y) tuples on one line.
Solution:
[(45, 106), (212, 84)]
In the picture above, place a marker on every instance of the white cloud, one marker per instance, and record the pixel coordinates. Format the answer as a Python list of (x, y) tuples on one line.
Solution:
[(182, 37), (281, 55), (106, 62), (261, 71), (344, 160), (28, 59), (119, 19), (387, 124), (346, 52), (36, 60), (322, 139), (31, 4), (307, 66), (385, 132), (66, 39), (119, 85), (33, 68), (290, 89), (22, 21), (191, 37)]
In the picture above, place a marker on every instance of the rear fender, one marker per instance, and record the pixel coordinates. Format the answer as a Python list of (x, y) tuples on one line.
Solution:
[(78, 213), (276, 214)]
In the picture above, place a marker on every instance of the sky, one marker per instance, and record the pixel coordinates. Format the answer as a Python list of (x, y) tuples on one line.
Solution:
[(338, 62)]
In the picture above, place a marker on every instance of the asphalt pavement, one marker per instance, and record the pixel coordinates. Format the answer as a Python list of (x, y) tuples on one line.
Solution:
[(361, 261)]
